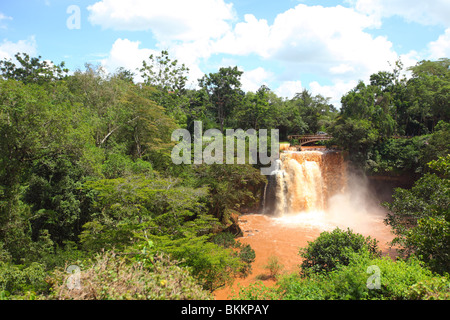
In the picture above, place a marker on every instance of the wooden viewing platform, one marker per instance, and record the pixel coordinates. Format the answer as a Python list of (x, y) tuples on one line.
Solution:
[(304, 139)]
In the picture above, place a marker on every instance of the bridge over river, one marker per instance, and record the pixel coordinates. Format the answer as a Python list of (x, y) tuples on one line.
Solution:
[(304, 139)]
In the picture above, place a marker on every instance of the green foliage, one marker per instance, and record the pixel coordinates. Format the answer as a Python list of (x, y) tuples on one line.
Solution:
[(111, 277), (357, 136), (335, 248), (57, 202), (127, 205), (19, 280), (224, 91), (420, 218), (164, 74), (231, 187), (211, 264), (257, 291), (119, 165), (315, 111), (397, 156), (32, 70), (399, 280), (247, 255)]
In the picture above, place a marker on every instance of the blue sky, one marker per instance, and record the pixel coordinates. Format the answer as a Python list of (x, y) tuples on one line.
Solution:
[(288, 45)]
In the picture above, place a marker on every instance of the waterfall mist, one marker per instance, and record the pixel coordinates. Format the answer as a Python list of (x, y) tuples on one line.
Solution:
[(317, 189)]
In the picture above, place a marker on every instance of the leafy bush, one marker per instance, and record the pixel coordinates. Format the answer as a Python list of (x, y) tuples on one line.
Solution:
[(330, 249), (398, 280), (395, 156), (257, 291), (19, 280), (213, 266), (224, 239), (120, 165), (111, 277)]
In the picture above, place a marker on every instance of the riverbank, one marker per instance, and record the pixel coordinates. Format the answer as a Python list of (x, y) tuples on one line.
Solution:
[(283, 236)]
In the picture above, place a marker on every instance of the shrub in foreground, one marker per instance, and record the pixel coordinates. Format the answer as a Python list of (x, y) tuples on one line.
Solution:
[(331, 249), (111, 277), (365, 278)]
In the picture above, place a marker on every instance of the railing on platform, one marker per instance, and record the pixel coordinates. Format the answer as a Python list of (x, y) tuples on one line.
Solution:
[(303, 139)]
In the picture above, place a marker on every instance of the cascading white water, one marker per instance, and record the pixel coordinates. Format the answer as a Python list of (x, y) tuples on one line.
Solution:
[(304, 180)]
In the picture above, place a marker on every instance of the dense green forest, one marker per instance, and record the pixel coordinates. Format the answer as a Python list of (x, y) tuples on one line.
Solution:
[(86, 180)]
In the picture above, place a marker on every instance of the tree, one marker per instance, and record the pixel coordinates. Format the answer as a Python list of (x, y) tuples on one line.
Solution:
[(429, 93), (355, 136), (231, 187), (224, 91), (420, 217), (163, 73), (254, 111), (313, 110), (32, 70), (169, 78), (30, 126), (34, 123)]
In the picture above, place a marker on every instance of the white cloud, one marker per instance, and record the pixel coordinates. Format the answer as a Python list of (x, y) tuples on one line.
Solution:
[(436, 12), (127, 54), (342, 69), (168, 20), (8, 49), (334, 92), (185, 28), (130, 55), (4, 17), (332, 42), (247, 37), (288, 89), (441, 47), (329, 41), (252, 80)]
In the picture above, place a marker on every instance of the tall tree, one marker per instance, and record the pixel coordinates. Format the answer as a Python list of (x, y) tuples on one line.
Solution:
[(169, 78), (254, 112), (164, 73), (429, 93), (224, 91)]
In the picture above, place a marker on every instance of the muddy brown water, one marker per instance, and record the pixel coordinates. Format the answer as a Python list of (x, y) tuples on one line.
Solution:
[(284, 236)]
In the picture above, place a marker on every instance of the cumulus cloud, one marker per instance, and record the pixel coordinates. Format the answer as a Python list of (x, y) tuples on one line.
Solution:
[(441, 47), (330, 41), (288, 89), (130, 55), (434, 12), (8, 48), (334, 92), (250, 36), (127, 54), (252, 80), (333, 42), (168, 20)]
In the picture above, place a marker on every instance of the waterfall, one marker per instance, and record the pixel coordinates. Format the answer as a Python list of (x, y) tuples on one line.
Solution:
[(303, 181)]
